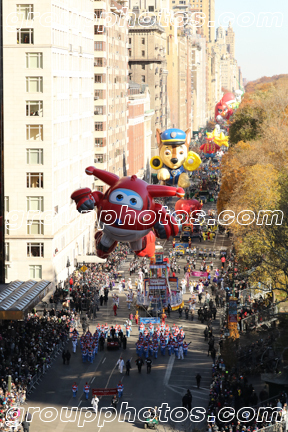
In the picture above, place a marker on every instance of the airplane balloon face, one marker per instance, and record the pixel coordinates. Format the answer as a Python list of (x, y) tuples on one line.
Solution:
[(127, 212)]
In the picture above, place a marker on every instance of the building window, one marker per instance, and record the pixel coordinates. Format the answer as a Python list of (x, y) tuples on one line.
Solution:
[(98, 126), (6, 271), (143, 66), (34, 108), (99, 62), (98, 12), (34, 132), (34, 180), (98, 94), (35, 203), (35, 227), (25, 12), (99, 158), (99, 29), (35, 250), (130, 41), (6, 204), (143, 53), (34, 84), (143, 78), (100, 188), (99, 142), (35, 272), (98, 46), (99, 110), (99, 79), (25, 36), (7, 227), (34, 60), (7, 252), (151, 9), (34, 156), (143, 41)]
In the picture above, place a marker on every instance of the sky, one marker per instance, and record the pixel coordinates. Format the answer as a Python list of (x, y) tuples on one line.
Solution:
[(259, 50)]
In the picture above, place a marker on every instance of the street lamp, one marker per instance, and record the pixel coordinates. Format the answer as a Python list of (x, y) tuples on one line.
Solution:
[(68, 265)]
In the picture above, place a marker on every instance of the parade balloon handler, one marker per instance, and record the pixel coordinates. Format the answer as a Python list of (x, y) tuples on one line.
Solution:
[(175, 158), (128, 213)]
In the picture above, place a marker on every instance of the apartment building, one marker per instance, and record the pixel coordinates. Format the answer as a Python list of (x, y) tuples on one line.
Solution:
[(48, 134), (139, 132), (148, 65), (110, 92), (206, 16)]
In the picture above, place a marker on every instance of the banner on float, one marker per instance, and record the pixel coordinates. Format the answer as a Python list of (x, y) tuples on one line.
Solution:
[(199, 274), (150, 320)]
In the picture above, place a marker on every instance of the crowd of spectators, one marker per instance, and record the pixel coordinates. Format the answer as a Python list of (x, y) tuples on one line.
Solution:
[(233, 390)]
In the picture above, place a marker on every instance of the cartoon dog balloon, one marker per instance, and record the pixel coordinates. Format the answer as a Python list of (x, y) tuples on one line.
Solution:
[(128, 213), (175, 157)]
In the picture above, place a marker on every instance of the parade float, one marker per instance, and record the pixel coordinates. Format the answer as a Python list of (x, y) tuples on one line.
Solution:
[(160, 288), (175, 160), (128, 213)]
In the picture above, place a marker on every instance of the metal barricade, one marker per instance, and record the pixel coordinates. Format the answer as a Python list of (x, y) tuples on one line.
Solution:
[(264, 316), (37, 378)]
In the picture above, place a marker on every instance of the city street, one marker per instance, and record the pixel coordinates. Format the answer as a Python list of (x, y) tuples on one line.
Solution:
[(169, 380)]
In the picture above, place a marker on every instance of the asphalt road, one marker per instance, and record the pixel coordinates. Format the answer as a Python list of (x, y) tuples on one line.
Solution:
[(168, 382)]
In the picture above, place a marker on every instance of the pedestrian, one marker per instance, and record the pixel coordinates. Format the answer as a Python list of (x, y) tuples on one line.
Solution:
[(68, 356), (115, 309), (169, 309), (101, 300), (185, 401), (149, 364), (189, 397), (213, 354), (25, 425), (139, 362), (120, 364), (180, 312), (74, 389), (86, 390), (64, 357), (163, 317), (114, 402), (136, 317), (128, 367), (94, 403), (120, 389), (198, 380), (180, 353)]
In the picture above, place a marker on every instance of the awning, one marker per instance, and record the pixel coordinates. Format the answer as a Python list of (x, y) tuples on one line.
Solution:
[(89, 259), (18, 298)]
